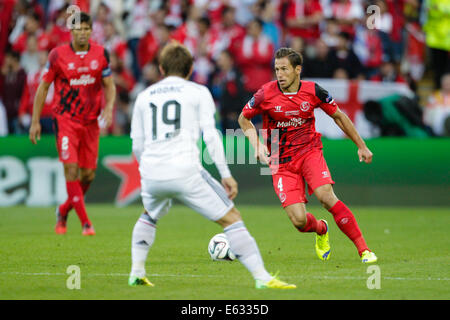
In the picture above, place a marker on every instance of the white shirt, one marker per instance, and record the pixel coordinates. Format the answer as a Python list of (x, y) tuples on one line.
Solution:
[(168, 119)]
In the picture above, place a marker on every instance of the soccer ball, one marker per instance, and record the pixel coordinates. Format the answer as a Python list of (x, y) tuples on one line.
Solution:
[(219, 248)]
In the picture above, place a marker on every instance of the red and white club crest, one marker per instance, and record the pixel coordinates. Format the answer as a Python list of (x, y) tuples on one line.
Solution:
[(94, 64), (305, 106)]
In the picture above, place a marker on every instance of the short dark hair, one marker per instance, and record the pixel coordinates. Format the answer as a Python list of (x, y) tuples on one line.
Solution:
[(175, 59), (294, 57), (81, 17), (85, 18)]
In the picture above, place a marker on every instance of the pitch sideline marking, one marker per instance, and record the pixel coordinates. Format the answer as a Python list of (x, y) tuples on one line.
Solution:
[(216, 276)]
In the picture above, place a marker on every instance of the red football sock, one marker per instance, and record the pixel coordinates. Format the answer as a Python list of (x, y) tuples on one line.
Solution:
[(347, 223), (313, 225), (67, 206), (76, 197)]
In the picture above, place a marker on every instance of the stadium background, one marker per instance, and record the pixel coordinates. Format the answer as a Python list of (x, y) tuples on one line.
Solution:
[(391, 80)]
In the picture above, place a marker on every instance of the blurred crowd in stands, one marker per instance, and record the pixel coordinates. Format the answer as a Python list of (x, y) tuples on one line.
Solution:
[(233, 42)]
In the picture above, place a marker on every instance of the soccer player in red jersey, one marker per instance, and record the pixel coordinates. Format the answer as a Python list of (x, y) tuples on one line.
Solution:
[(293, 150), (79, 71)]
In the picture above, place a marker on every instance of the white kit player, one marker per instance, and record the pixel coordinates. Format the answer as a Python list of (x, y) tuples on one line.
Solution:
[(168, 119)]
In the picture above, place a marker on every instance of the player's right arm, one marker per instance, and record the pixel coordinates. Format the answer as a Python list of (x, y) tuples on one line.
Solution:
[(48, 76), (250, 110), (38, 105)]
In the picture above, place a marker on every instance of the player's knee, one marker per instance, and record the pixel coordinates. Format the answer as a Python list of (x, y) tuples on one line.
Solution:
[(87, 176), (299, 221), (297, 215), (71, 172), (326, 196), (230, 217)]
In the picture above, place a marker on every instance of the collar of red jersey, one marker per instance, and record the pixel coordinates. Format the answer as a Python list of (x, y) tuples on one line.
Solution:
[(290, 93), (81, 53)]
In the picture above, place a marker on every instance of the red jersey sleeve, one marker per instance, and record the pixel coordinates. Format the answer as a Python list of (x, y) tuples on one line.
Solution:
[(253, 107), (50, 70), (106, 70), (326, 102)]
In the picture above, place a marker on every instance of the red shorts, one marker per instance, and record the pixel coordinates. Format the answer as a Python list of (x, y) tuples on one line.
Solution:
[(289, 180), (76, 142)]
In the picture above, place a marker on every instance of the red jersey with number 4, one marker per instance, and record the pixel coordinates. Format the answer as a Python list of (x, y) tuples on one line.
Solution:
[(288, 118), (77, 77)]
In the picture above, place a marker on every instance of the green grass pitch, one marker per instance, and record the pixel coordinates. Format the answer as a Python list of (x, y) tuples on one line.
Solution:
[(412, 245)]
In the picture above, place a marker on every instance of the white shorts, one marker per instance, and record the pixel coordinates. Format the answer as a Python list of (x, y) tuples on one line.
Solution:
[(200, 192)]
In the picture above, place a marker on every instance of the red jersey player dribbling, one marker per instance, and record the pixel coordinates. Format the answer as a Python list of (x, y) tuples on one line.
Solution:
[(295, 148), (79, 71)]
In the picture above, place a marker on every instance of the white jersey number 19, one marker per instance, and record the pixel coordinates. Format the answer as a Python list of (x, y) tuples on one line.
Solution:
[(175, 120)]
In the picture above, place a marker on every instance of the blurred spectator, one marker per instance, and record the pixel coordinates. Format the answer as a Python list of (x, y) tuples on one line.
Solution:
[(229, 90), (32, 27), (414, 58), (113, 42), (331, 33), (122, 115), (384, 25), (206, 47), (150, 75), (27, 99), (437, 110), (136, 24), (98, 25), (341, 73), (18, 19), (231, 32), (243, 10), (303, 18), (148, 46), (437, 30), (388, 72), (321, 65), (57, 31), (29, 60), (122, 78), (297, 44), (368, 47), (6, 12), (12, 82), (266, 11), (344, 57), (213, 9), (255, 57), (347, 14)]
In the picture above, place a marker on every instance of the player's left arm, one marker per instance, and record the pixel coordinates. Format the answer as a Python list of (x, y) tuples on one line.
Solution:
[(327, 104), (110, 91), (110, 96), (347, 126)]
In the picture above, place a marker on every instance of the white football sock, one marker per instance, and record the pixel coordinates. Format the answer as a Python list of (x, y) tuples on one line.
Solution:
[(141, 242), (244, 246)]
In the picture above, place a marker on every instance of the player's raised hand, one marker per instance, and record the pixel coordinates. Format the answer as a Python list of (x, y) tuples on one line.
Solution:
[(35, 132), (262, 153), (365, 155), (231, 187)]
